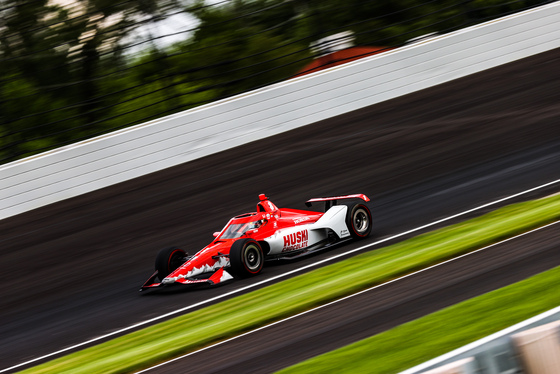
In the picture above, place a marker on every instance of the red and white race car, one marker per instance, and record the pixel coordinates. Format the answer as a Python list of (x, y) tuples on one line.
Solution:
[(249, 239)]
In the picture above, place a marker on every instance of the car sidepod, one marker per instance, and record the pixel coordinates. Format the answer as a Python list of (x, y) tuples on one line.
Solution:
[(310, 236)]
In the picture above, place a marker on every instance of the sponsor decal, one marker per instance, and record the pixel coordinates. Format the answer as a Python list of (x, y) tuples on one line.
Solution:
[(193, 281), (296, 240), (344, 233), (302, 219)]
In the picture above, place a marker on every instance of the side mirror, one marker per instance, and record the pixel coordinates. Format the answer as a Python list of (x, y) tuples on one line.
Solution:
[(216, 234)]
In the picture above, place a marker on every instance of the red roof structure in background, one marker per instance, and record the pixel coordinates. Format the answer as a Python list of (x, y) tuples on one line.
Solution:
[(339, 58)]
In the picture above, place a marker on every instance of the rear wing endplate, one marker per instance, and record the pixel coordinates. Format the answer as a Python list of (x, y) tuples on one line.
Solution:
[(333, 200)]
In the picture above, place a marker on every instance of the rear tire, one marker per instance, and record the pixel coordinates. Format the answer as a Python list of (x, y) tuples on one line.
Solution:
[(358, 220), (169, 259), (246, 258)]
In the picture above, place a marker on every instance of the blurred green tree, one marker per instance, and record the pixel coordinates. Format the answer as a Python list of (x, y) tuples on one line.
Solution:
[(72, 69), (54, 57)]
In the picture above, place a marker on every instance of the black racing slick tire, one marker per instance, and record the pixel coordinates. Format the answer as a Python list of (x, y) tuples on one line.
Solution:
[(358, 220), (169, 259), (246, 258)]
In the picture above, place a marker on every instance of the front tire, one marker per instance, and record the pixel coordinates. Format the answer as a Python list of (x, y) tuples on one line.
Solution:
[(169, 259), (358, 220), (246, 258)]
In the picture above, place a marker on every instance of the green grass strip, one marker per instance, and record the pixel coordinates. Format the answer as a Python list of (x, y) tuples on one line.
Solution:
[(431, 336), (216, 322)]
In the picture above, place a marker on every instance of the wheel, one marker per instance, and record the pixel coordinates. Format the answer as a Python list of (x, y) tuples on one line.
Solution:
[(169, 259), (246, 258), (358, 220)]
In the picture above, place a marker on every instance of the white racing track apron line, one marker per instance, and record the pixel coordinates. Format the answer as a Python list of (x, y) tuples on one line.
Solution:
[(344, 298), (239, 290)]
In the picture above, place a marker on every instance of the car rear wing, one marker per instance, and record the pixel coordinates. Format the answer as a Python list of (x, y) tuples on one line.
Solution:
[(330, 201)]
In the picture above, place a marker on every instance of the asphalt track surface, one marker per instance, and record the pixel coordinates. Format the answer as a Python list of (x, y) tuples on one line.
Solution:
[(71, 271), (369, 313)]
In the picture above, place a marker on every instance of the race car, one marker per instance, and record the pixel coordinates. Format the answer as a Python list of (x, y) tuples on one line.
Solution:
[(248, 240)]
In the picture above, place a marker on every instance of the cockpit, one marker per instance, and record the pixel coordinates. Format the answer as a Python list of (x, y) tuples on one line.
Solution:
[(236, 230), (239, 225)]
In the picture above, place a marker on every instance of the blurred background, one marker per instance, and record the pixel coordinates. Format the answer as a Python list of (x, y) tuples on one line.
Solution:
[(70, 70)]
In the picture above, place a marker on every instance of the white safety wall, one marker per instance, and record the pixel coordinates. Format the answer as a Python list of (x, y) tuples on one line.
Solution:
[(100, 162)]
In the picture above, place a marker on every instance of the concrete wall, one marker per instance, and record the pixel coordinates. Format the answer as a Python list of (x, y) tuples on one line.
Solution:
[(100, 162)]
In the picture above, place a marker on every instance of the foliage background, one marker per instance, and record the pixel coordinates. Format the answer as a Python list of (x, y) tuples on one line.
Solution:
[(74, 69)]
